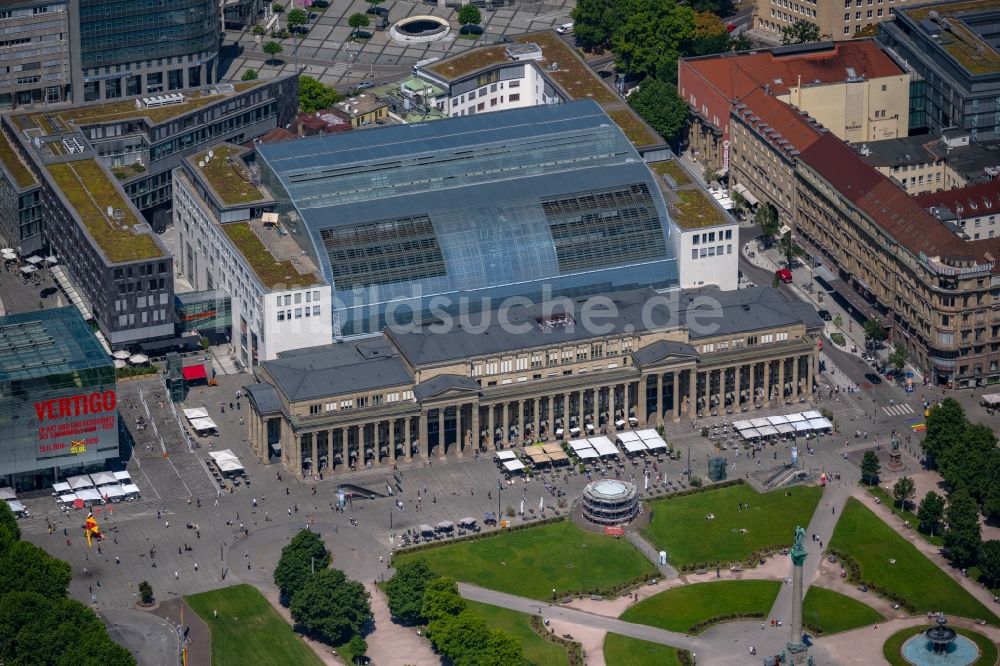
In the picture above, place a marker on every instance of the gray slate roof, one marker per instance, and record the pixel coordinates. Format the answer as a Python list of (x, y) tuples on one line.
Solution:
[(336, 369), (654, 352), (265, 397)]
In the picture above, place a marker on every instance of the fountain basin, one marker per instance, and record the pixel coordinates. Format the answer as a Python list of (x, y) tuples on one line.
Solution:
[(919, 651)]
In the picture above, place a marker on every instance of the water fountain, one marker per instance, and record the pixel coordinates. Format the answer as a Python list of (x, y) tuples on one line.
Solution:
[(940, 645)]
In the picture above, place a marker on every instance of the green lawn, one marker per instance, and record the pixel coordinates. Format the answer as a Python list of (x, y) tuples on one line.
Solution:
[(624, 651), (536, 649), (248, 630), (891, 648), (861, 535), (679, 525), (530, 562), (834, 612), (680, 608)]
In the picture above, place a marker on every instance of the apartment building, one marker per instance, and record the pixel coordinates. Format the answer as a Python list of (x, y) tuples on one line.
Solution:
[(837, 19), (975, 210), (853, 89), (34, 52)]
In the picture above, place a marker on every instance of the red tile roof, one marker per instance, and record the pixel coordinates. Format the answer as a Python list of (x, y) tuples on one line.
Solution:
[(785, 127), (976, 200), (898, 214), (737, 74)]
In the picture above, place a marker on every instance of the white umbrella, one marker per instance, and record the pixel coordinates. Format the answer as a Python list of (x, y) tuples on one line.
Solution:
[(51, 260), (119, 364), (28, 269), (522, 508), (138, 359), (122, 354), (34, 259), (541, 503)]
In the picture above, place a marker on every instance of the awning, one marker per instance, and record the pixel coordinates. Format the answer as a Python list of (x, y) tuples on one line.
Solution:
[(61, 487), (103, 478), (749, 433), (111, 492), (506, 455), (775, 420), (540, 458), (820, 424), (649, 433), (767, 430), (513, 465), (16, 506), (201, 425), (747, 194), (7, 494), (557, 456), (68, 498), (123, 476), (196, 413), (586, 454), (785, 428), (812, 414), (580, 444), (89, 495), (131, 488), (194, 372), (634, 447), (653, 444), (82, 481), (604, 447)]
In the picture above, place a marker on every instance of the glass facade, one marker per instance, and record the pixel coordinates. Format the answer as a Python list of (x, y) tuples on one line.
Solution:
[(472, 208), (58, 403), (116, 32), (204, 311)]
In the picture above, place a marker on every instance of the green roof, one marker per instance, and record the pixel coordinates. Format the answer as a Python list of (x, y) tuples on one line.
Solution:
[(89, 190), (228, 176), (672, 169), (272, 273), (693, 210), (969, 49), (13, 162)]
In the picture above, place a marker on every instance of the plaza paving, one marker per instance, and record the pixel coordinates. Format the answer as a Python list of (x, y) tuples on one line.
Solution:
[(328, 53), (450, 489)]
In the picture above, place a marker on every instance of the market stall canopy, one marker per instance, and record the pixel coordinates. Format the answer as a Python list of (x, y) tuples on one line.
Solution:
[(759, 423), (89, 495), (795, 418), (111, 492), (540, 458), (16, 506), (551, 448), (7, 494), (122, 354), (103, 478), (992, 399), (648, 433), (138, 359), (131, 488), (558, 455), (68, 498), (775, 420), (204, 424), (749, 433), (196, 413), (628, 436), (61, 487), (634, 447), (812, 414), (767, 430), (513, 465), (194, 372), (604, 447), (229, 465), (653, 444), (82, 481), (533, 450), (586, 454), (123, 476), (224, 454), (742, 425), (820, 424), (580, 444), (506, 455)]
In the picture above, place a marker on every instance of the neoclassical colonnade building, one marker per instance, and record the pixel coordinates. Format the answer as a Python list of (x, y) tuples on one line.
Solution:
[(632, 358)]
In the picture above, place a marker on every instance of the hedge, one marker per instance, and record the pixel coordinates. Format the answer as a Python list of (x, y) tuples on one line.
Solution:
[(573, 649)]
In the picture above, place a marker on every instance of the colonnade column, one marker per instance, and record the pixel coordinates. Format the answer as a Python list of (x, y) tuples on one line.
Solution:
[(580, 410), (505, 426), (408, 443), (810, 369), (565, 414), (491, 436), (595, 408), (425, 416), (477, 435), (611, 407), (722, 389), (693, 392), (536, 417), (315, 454), (708, 392), (459, 430), (781, 381), (345, 454), (392, 440), (753, 380), (676, 415), (643, 406), (626, 400), (767, 381), (659, 398), (795, 374)]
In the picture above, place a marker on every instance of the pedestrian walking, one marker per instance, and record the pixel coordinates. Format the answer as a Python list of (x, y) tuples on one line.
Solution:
[(195, 566), (117, 561), (176, 576)]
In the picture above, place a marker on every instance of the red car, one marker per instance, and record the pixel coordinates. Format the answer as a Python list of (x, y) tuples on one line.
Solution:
[(784, 275)]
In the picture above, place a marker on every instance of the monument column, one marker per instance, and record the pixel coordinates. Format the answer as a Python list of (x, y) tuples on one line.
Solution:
[(797, 650)]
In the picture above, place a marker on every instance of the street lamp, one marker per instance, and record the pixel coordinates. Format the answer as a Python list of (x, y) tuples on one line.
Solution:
[(499, 490)]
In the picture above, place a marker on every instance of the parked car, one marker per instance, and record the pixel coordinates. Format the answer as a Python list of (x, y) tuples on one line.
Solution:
[(824, 315), (378, 11), (565, 28), (365, 85), (784, 275), (48, 291), (873, 378)]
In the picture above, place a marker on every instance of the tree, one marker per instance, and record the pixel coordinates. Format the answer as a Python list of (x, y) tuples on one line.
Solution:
[(930, 513), (710, 36), (297, 17), (469, 15), (28, 568), (739, 201), (145, 593), (968, 460), (331, 607), (594, 22), (249, 75), (943, 422), (897, 358), (441, 598), (648, 41), (870, 468), (740, 43), (710, 176), (357, 645), (502, 649), (789, 249), (460, 637), (903, 491), (989, 563), (272, 49), (405, 591), (962, 536), (800, 32), (302, 555), (10, 531), (838, 320), (315, 96), (874, 330), (357, 21), (277, 7), (991, 502), (659, 105), (767, 218)]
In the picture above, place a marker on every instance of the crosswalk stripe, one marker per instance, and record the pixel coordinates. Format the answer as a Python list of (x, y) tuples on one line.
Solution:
[(898, 410)]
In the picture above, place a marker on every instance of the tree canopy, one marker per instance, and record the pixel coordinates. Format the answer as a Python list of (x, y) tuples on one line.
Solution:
[(962, 537), (405, 590), (870, 468), (315, 96), (930, 513), (800, 32), (297, 17), (331, 607), (649, 39), (357, 21), (767, 218), (903, 491), (469, 15), (874, 330), (302, 555), (989, 563), (659, 105)]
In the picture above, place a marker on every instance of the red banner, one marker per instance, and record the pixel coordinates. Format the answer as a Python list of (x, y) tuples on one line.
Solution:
[(614, 530)]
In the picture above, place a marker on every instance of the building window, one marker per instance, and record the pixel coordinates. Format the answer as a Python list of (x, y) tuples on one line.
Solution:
[(281, 315), (516, 97), (315, 409), (315, 311), (298, 313)]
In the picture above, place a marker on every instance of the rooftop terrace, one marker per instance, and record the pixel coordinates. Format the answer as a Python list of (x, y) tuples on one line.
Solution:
[(89, 190), (14, 165), (275, 272), (574, 76), (228, 176)]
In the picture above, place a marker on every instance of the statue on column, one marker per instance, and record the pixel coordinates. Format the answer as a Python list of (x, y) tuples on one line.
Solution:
[(895, 456)]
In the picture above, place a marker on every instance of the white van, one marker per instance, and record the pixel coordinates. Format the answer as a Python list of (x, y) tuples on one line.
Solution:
[(564, 28)]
